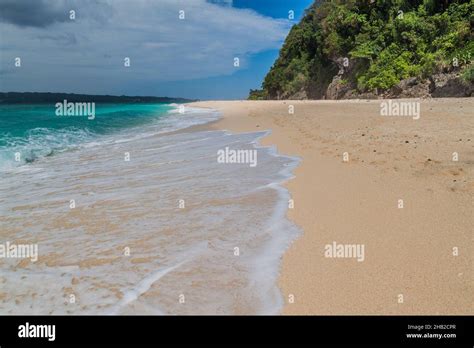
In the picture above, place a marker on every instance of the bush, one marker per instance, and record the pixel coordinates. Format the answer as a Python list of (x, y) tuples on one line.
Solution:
[(468, 74), (257, 94)]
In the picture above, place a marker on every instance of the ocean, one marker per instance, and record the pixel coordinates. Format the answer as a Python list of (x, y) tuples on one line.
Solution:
[(132, 213)]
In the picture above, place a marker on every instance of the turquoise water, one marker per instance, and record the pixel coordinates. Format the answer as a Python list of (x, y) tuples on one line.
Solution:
[(35, 131)]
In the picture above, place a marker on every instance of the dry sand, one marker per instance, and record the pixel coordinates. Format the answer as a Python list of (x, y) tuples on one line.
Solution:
[(408, 251)]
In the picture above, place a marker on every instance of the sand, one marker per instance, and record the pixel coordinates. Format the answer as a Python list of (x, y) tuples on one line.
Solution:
[(417, 259)]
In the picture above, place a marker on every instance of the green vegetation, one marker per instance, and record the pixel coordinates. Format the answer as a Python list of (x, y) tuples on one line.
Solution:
[(468, 74), (257, 94), (385, 42)]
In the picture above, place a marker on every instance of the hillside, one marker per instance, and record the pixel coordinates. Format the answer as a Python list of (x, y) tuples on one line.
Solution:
[(377, 48)]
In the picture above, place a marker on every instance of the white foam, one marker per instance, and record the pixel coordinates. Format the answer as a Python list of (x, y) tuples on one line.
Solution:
[(141, 288), (135, 204)]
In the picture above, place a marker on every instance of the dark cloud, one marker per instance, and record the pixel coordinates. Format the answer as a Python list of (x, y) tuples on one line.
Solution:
[(32, 13)]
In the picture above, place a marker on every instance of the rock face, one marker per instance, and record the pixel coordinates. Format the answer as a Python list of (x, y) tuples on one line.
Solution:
[(411, 88), (447, 83), (342, 85), (338, 88), (300, 95), (451, 85)]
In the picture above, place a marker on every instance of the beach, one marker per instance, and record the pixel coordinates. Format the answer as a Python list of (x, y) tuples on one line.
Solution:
[(140, 210), (401, 187), (239, 207)]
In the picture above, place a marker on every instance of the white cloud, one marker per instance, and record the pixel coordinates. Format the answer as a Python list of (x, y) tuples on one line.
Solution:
[(90, 51)]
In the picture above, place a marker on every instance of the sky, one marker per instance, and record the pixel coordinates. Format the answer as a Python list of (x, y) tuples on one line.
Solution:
[(188, 54)]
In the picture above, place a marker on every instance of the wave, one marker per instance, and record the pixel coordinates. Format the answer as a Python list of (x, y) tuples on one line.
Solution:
[(175, 251), (115, 127), (38, 143)]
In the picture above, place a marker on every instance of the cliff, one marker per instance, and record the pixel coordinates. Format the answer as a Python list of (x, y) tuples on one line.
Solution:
[(378, 48)]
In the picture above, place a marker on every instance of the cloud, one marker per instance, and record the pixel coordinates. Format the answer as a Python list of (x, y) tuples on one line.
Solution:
[(32, 13), (221, 2), (88, 54), (63, 39)]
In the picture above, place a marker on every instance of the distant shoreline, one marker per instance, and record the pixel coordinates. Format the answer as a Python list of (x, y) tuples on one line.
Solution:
[(48, 97)]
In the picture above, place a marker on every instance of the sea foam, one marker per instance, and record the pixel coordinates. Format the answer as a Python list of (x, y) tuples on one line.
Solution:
[(157, 234)]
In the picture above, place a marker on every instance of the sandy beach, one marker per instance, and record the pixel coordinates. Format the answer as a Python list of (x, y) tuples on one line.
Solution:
[(418, 251)]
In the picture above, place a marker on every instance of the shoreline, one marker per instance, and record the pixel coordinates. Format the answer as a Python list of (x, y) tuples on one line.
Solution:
[(158, 215), (409, 251)]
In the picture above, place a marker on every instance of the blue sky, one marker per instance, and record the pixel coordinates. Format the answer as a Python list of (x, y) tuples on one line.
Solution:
[(237, 85), (169, 56)]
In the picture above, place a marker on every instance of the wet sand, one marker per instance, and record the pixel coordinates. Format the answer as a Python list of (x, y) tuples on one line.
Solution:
[(417, 259)]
